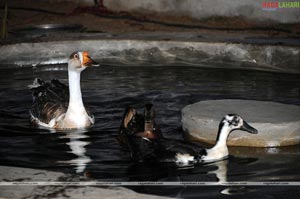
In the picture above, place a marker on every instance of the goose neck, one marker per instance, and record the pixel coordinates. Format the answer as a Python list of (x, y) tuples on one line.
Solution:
[(74, 88), (223, 134)]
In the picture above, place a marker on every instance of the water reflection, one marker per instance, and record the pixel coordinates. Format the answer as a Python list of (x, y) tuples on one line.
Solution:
[(221, 174), (237, 190), (77, 145), (221, 171), (218, 175)]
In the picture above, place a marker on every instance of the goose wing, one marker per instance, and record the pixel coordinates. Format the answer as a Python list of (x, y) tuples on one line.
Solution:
[(50, 101)]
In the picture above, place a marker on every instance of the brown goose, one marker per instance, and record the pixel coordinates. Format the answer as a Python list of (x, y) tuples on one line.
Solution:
[(58, 106), (140, 125)]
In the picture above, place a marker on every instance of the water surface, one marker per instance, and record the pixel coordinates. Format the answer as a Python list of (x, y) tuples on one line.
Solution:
[(108, 90)]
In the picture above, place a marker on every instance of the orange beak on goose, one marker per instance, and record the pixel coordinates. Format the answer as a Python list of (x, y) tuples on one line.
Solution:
[(87, 61)]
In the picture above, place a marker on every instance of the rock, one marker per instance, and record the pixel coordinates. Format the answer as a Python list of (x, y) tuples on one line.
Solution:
[(277, 124)]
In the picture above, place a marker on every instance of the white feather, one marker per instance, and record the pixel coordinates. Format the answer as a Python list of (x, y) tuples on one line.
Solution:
[(183, 159), (35, 84)]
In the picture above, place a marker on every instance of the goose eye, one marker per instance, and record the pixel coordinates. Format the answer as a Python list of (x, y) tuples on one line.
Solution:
[(235, 121)]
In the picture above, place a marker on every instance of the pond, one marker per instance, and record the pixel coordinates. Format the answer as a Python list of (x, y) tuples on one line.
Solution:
[(108, 90)]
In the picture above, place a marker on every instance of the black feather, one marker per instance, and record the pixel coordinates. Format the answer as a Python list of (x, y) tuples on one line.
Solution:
[(50, 99), (159, 150)]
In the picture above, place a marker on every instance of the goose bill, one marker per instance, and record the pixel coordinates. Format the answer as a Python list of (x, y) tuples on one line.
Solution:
[(248, 128), (87, 61)]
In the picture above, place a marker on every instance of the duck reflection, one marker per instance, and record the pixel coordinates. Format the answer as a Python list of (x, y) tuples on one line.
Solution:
[(215, 173), (221, 171), (221, 174), (77, 143)]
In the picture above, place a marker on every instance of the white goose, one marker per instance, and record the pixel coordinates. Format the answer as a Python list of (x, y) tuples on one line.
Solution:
[(58, 106)]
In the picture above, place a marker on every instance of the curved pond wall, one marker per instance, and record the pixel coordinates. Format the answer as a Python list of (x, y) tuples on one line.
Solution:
[(158, 52)]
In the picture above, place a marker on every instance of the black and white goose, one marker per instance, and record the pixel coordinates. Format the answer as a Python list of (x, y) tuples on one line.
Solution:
[(58, 106), (182, 152)]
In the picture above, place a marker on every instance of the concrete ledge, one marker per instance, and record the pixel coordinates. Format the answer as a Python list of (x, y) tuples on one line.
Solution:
[(17, 174), (153, 51), (277, 124)]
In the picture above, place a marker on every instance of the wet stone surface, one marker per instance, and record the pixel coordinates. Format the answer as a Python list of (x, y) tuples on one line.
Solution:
[(25, 175)]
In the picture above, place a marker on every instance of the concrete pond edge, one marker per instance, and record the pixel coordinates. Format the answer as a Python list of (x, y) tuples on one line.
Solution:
[(24, 176), (137, 52)]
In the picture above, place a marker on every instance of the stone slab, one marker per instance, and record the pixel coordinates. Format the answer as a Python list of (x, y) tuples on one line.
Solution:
[(277, 124)]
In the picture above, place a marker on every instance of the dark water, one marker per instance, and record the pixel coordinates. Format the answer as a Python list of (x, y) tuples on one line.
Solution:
[(108, 90)]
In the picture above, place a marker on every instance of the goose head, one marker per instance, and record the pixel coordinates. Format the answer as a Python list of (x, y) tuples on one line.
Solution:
[(79, 61), (229, 123), (235, 122)]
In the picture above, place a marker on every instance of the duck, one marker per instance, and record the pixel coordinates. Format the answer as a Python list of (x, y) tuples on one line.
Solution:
[(58, 106), (182, 152), (140, 125)]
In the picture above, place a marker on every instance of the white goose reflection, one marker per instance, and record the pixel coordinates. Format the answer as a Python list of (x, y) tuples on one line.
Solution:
[(77, 146), (221, 171), (221, 174)]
